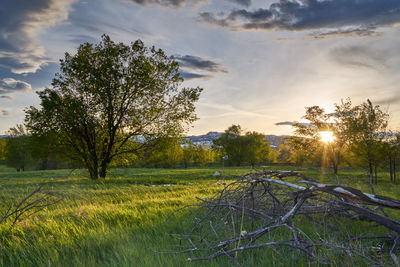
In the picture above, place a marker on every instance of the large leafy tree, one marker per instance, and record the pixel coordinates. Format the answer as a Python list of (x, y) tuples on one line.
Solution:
[(112, 99), (365, 126)]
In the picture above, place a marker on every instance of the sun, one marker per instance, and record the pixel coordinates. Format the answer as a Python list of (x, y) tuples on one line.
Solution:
[(327, 136)]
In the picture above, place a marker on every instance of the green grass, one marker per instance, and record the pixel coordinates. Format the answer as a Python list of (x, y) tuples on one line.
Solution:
[(119, 220)]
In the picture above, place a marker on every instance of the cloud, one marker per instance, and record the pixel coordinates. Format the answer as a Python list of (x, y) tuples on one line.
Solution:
[(5, 113), (284, 123), (189, 63), (181, 3), (246, 3), (296, 15), (189, 75), (170, 3), (10, 85), (351, 32), (291, 123), (198, 63), (6, 97), (20, 22), (359, 57)]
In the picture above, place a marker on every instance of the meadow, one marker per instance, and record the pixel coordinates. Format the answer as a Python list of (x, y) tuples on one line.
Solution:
[(119, 221)]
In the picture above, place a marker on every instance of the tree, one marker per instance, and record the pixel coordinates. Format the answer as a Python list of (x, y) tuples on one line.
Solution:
[(231, 144), (257, 148), (301, 151), (393, 155), (17, 152), (251, 147), (188, 154), (365, 126), (3, 143), (308, 140), (112, 99)]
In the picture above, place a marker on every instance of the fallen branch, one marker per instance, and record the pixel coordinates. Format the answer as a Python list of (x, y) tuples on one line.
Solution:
[(36, 201), (247, 211)]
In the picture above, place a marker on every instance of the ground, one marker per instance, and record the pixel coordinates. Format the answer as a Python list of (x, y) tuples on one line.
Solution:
[(119, 221)]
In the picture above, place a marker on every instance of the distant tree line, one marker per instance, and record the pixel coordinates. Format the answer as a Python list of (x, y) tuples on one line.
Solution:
[(361, 139), (23, 151)]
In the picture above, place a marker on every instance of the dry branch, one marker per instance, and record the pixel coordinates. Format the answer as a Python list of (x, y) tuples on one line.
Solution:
[(241, 217), (36, 201)]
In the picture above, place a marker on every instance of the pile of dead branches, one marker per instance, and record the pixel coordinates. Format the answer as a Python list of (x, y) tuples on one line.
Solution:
[(287, 210)]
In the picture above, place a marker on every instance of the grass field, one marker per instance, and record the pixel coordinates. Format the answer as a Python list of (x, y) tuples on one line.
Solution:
[(120, 220)]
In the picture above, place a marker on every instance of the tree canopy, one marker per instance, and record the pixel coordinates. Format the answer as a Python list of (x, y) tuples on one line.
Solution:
[(240, 148), (112, 99)]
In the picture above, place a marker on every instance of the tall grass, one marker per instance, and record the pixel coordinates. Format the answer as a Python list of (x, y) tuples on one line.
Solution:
[(120, 220)]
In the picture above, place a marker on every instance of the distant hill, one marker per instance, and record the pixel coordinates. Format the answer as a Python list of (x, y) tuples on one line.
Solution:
[(275, 140), (207, 139)]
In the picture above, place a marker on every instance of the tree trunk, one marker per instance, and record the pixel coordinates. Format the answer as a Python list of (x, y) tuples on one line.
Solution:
[(391, 169), (94, 170), (104, 165), (335, 168), (376, 175), (103, 169), (371, 170), (93, 173)]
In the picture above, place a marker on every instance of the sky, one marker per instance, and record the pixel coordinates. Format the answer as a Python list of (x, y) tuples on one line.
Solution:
[(260, 62)]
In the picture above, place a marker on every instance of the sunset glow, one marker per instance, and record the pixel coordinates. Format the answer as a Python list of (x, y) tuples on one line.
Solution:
[(327, 136)]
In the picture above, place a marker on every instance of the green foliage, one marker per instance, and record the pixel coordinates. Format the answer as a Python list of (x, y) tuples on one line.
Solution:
[(3, 143), (365, 127), (108, 94), (300, 151), (174, 152), (167, 153), (249, 148), (17, 152)]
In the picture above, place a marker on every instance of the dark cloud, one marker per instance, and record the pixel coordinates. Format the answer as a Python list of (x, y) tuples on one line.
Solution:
[(259, 15), (359, 57), (291, 123), (241, 2), (181, 3), (295, 15), (20, 22), (189, 75), (198, 63), (171, 3), (10, 85), (284, 123), (352, 32), (5, 113), (6, 97), (191, 65)]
